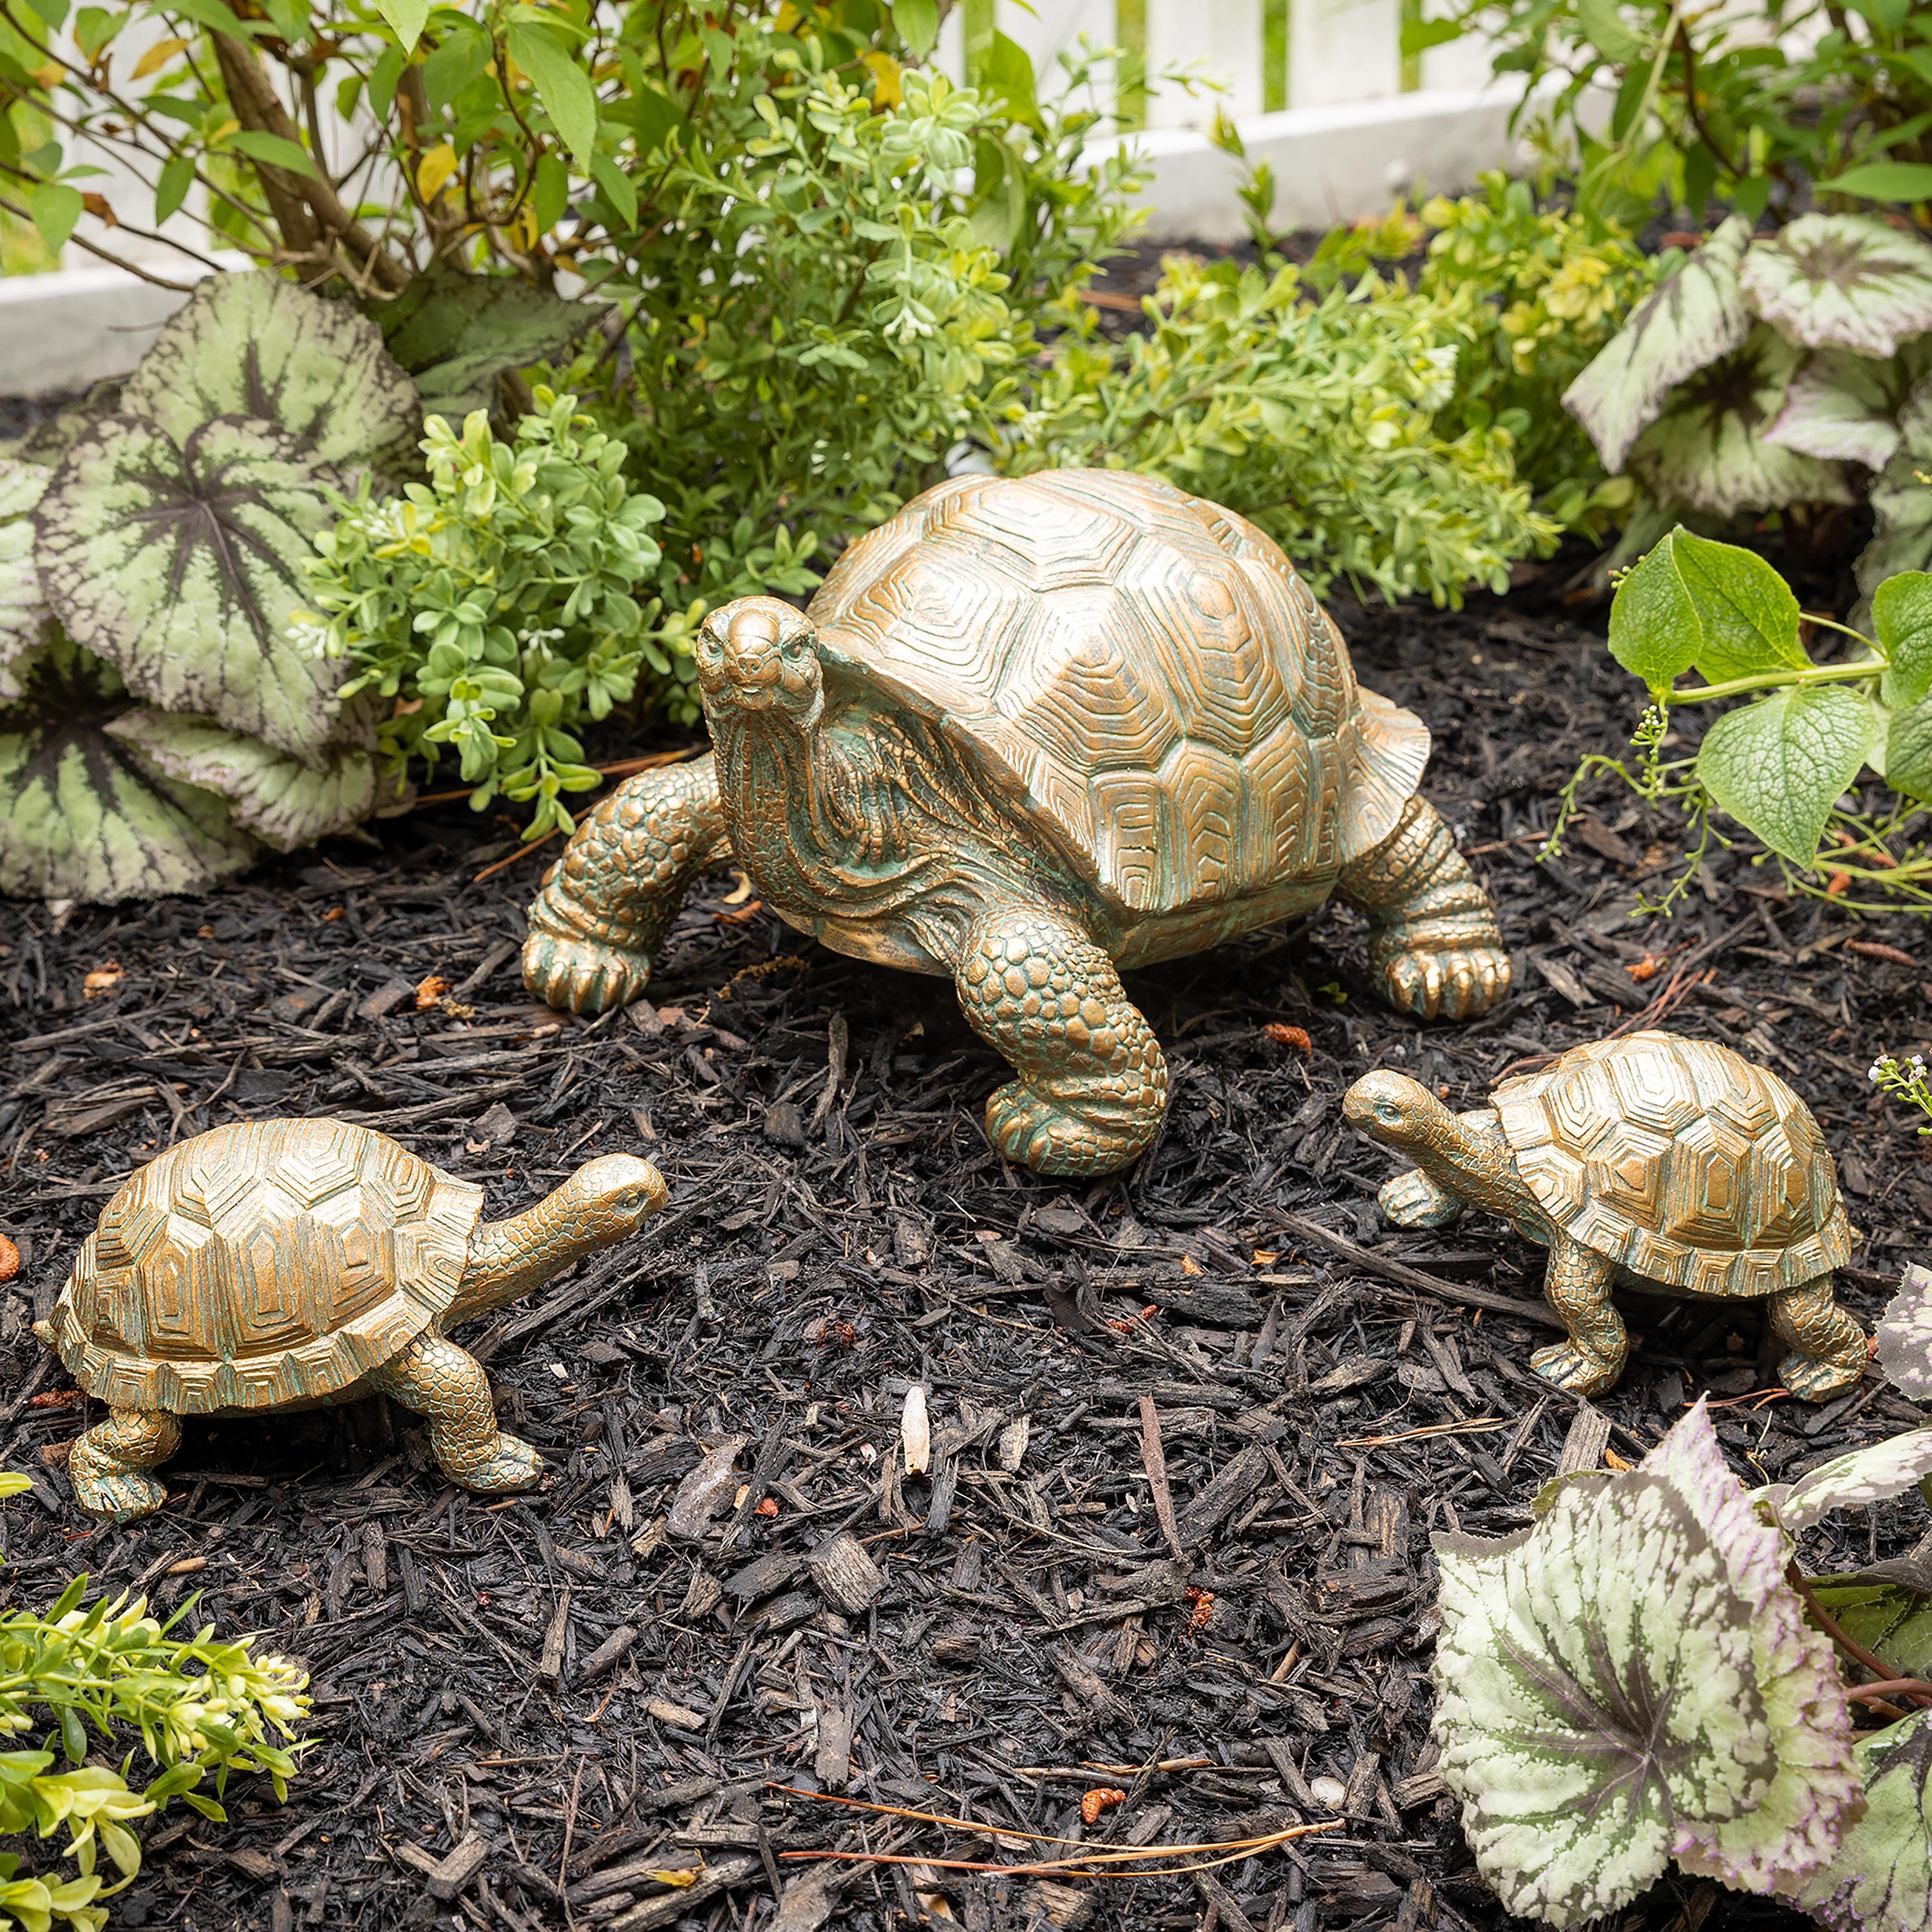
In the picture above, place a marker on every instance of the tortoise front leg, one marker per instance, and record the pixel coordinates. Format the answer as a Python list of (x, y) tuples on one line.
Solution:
[(436, 1378), (1093, 1082), (1828, 1351), (109, 1465), (1577, 1286), (1435, 949), (608, 902)]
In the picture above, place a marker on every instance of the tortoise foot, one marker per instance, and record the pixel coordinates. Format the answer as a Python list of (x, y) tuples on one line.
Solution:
[(109, 1465), (1569, 1367), (1412, 1200), (123, 1497), (1813, 1378), (501, 1467), (582, 976), (1050, 1138), (1457, 983)]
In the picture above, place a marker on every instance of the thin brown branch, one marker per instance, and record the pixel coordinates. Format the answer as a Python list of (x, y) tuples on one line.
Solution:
[(116, 261)]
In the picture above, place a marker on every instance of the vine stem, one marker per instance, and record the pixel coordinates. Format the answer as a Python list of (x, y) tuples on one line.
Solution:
[(1882, 1673), (1767, 680)]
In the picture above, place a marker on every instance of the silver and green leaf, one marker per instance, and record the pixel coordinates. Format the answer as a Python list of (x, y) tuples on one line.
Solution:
[(1841, 281), (181, 565), (1881, 1879), (1630, 1680)]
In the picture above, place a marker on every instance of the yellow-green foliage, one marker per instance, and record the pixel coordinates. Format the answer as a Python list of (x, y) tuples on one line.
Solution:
[(203, 1706)]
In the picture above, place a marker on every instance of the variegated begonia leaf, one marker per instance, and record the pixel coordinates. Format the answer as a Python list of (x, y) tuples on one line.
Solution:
[(1881, 1879), (1631, 1680), (1704, 449), (182, 566), (1868, 1475), (279, 799), (1844, 408), (1687, 321), (48, 440), (251, 344), (24, 615), (1905, 1334), (84, 817), (1841, 281), (455, 334)]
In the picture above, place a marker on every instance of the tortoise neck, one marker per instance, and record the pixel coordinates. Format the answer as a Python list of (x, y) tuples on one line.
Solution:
[(1463, 1160), (508, 1259)]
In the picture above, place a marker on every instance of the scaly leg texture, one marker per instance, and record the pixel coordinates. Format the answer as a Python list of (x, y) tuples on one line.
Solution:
[(1412, 1200), (1093, 1083), (1435, 950), (1577, 1286), (607, 903), (109, 1465), (436, 1378), (1828, 1351)]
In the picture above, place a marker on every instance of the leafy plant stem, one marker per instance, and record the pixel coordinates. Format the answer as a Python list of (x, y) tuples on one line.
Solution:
[(1884, 1679), (1777, 680)]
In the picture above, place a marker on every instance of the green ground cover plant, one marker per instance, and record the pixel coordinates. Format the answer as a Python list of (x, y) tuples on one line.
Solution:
[(1828, 762), (91, 1677)]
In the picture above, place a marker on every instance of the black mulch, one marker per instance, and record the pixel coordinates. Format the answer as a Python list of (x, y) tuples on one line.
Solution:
[(525, 1710)]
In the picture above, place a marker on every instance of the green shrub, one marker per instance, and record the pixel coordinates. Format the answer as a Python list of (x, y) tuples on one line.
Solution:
[(202, 1707), (496, 606), (1321, 417), (1782, 764)]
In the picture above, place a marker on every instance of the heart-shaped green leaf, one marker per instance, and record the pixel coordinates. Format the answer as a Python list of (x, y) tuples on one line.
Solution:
[(1778, 766), (1694, 603), (1902, 620), (182, 567)]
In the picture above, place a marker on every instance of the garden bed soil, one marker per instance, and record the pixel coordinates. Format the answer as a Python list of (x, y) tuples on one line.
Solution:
[(522, 1710)]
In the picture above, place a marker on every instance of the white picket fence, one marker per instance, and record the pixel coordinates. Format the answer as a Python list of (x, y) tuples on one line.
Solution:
[(1326, 53)]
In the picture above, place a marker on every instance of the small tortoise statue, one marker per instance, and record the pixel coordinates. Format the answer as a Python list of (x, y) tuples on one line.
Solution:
[(1665, 1164), (1031, 730), (278, 1263)]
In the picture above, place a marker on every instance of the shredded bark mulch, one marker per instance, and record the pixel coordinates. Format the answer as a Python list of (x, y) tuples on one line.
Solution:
[(1192, 1427)]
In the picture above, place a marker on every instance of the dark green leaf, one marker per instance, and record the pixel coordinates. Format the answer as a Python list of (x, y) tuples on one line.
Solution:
[(273, 150), (177, 177), (562, 86), (456, 64), (1694, 603)]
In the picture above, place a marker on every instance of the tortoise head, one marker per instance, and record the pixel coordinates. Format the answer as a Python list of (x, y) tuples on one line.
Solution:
[(1393, 1109), (758, 654), (617, 1193)]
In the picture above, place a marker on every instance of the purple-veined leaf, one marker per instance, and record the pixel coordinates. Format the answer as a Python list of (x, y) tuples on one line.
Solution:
[(1881, 1879), (251, 344), (281, 801), (1687, 321), (1871, 1474), (1841, 281), (1630, 1680), (24, 615), (182, 567), (1905, 1335), (1844, 407), (82, 817), (1703, 449)]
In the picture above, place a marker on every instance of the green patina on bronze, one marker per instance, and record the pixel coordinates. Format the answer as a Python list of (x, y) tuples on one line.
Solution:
[(1671, 1165), (1029, 731)]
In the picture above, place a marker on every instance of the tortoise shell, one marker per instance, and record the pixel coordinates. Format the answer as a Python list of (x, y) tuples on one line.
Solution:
[(1681, 1160), (262, 1263), (1142, 669)]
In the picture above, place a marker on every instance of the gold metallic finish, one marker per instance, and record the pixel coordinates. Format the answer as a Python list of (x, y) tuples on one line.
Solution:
[(277, 1264), (1671, 1165), (1031, 730)]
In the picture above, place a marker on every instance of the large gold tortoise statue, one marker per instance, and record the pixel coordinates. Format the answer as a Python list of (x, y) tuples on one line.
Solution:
[(1030, 729), (1670, 1164), (277, 1264)]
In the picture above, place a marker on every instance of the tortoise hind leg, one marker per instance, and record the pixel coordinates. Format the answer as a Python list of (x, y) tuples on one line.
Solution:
[(1827, 1350), (1093, 1082), (608, 902), (436, 1378), (1435, 949), (1577, 1286), (109, 1465)]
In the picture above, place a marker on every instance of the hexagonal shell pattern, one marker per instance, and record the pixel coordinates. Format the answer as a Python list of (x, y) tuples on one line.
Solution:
[(264, 1262), (1139, 672), (1681, 1160)]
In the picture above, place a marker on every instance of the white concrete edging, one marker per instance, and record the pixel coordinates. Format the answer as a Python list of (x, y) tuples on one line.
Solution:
[(65, 330)]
